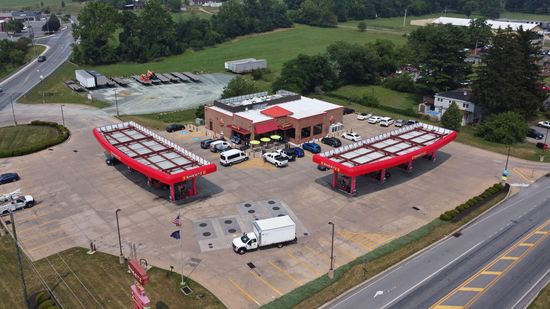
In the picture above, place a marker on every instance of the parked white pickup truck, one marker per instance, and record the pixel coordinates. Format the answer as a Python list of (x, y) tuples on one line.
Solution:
[(15, 201), (275, 159)]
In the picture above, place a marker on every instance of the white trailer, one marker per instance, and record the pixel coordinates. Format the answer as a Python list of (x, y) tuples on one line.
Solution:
[(85, 79), (273, 231), (245, 65)]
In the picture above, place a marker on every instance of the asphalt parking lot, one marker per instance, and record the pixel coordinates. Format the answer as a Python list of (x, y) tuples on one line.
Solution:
[(78, 194)]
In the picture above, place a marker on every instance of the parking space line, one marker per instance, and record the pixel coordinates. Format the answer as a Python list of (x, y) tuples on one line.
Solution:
[(541, 232), (448, 307), (269, 285), (491, 273), (523, 176), (470, 289), (248, 296), (50, 243), (288, 275), (318, 254), (508, 257), (340, 249), (307, 265), (526, 244), (356, 241)]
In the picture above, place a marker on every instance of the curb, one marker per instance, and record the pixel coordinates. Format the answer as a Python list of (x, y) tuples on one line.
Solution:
[(410, 257), (20, 70)]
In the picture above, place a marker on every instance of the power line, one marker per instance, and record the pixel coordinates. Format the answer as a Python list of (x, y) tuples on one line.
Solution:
[(77, 278), (65, 283)]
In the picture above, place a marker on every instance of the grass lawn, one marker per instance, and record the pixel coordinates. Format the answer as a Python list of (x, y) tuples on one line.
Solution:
[(316, 293), (54, 5), (385, 96), (108, 281), (159, 121), (57, 92), (543, 300), (16, 137), (32, 53)]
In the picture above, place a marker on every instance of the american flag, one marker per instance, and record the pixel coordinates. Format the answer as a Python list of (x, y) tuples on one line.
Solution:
[(177, 221)]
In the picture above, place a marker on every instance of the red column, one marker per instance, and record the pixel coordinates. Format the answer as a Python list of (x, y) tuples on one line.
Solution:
[(334, 179), (382, 176), (433, 156), (353, 187), (149, 182), (410, 166), (194, 185), (172, 193)]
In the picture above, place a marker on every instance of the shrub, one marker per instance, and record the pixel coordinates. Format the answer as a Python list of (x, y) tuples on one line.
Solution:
[(369, 101), (445, 217), (454, 212), (401, 83), (505, 128), (47, 304), (42, 297)]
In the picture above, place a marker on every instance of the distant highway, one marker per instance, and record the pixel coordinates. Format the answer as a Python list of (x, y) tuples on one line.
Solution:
[(500, 261), (26, 78)]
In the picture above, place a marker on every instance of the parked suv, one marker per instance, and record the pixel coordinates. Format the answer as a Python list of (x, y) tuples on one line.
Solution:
[(312, 147), (174, 127), (535, 134), (331, 141), (386, 121)]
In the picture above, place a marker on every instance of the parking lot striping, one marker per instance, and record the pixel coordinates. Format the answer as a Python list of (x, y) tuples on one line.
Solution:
[(496, 274), (339, 248), (542, 232), (509, 258), (325, 257), (449, 307), (35, 248), (248, 296), (470, 289), (517, 171), (307, 265), (526, 244), (269, 285), (288, 275), (356, 241)]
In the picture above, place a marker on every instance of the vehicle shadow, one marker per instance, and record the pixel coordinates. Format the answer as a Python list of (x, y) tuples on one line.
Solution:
[(368, 184), (205, 187)]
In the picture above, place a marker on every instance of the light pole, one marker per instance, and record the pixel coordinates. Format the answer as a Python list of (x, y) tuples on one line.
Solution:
[(121, 257), (331, 270), (12, 109), (62, 116), (42, 82), (505, 172), (544, 146), (116, 103)]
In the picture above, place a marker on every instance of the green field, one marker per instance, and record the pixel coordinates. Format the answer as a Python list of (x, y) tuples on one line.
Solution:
[(54, 5), (385, 96), (15, 137), (30, 56), (107, 281), (160, 120)]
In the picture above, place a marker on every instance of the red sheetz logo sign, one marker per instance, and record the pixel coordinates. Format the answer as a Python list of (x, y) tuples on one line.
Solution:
[(194, 175), (332, 167)]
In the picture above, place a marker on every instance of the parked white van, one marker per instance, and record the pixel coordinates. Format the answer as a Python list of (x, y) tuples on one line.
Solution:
[(232, 156), (217, 145)]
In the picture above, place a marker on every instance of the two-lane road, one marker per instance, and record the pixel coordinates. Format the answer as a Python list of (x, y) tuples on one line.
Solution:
[(59, 50), (503, 258)]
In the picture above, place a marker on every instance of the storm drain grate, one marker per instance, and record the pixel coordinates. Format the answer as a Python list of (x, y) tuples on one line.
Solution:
[(251, 265), (186, 290), (415, 208)]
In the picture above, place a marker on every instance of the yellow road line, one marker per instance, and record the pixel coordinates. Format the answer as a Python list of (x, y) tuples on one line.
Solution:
[(357, 242), (470, 289), (269, 285), (541, 232), (448, 307), (509, 258), (526, 244), (326, 258), (245, 293), (288, 275), (492, 273), (311, 268), (515, 169)]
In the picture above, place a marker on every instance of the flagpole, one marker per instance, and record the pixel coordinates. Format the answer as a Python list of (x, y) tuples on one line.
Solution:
[(181, 248)]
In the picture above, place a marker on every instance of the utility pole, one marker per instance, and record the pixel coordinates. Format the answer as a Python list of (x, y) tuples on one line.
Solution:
[(13, 110), (121, 257), (62, 116), (20, 263), (405, 18), (43, 90), (331, 270), (116, 103)]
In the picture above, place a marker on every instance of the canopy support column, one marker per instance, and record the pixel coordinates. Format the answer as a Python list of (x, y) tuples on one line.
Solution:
[(334, 179), (172, 193), (410, 166), (433, 156), (194, 186), (382, 176), (353, 187), (149, 181)]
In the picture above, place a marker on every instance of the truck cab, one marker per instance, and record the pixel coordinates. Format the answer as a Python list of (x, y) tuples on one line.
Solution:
[(16, 203), (245, 243)]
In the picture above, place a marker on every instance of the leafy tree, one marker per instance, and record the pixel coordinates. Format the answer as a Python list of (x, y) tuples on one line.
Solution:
[(63, 4), (355, 63), (505, 128), (52, 25), (452, 118), (469, 7), (438, 51), (158, 40), (97, 23), (490, 8), (173, 5), (317, 13), (401, 83), (199, 112), (509, 80), (238, 86), (479, 32), (362, 26), (305, 74), (388, 54), (14, 26)]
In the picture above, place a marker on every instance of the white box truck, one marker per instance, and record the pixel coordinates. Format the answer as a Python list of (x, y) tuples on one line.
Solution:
[(85, 79), (273, 231)]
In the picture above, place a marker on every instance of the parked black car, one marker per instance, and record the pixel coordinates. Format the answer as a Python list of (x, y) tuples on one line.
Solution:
[(535, 134), (411, 122), (348, 110), (331, 141), (174, 127), (8, 177), (205, 144)]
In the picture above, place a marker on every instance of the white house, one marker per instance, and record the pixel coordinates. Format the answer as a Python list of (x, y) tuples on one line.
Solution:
[(462, 98)]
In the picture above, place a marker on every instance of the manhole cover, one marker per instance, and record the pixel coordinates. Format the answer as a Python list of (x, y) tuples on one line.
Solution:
[(210, 245), (247, 205), (271, 202), (306, 234), (231, 231), (228, 221), (203, 224), (206, 234), (251, 211), (275, 208)]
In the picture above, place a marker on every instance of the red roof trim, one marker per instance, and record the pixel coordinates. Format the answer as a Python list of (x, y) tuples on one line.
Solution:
[(265, 127), (276, 112), (388, 163), (151, 172)]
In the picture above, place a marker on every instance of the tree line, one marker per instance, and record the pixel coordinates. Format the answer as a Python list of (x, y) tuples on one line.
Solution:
[(106, 35), (12, 54)]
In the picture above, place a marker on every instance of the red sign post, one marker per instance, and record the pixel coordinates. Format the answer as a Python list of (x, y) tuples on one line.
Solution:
[(141, 301)]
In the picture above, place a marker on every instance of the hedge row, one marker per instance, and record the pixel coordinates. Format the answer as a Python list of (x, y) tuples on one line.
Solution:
[(474, 202), (64, 134), (44, 301), (367, 101)]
